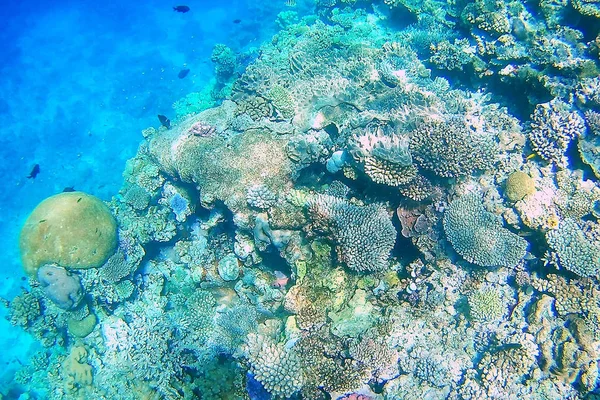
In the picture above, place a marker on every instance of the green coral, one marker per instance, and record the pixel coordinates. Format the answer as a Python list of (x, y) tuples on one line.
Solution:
[(82, 328), (486, 305), (479, 237), (282, 101)]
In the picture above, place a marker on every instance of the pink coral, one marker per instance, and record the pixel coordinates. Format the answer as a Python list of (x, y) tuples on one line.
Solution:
[(355, 396), (201, 129)]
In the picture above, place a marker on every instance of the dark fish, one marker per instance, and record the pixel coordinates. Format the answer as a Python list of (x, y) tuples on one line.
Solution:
[(181, 9), (164, 121), (69, 189), (237, 21), (183, 73), (34, 172)]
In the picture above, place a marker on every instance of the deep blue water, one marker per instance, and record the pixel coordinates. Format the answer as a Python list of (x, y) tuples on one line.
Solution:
[(79, 81)]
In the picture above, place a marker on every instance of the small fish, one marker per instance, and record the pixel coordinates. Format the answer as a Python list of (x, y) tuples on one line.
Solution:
[(34, 171), (281, 279), (181, 9), (164, 121), (236, 21), (69, 189), (183, 73), (290, 3)]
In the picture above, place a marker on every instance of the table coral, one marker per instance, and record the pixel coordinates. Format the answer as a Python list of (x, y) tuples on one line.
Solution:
[(575, 249), (364, 234), (479, 236)]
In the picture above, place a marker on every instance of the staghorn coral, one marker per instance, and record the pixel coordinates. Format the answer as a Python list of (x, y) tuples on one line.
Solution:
[(451, 149), (478, 236), (364, 235), (574, 249), (553, 127)]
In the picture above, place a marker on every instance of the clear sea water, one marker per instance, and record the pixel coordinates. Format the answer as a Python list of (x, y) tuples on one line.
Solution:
[(79, 81)]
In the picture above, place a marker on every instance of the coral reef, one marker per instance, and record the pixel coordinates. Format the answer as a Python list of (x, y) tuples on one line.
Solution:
[(252, 251), (450, 149)]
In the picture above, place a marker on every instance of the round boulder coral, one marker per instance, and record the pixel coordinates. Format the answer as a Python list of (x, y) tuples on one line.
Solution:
[(518, 185), (74, 230)]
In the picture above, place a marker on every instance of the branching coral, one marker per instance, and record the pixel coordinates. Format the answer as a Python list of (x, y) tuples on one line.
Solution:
[(451, 148), (276, 367), (553, 127)]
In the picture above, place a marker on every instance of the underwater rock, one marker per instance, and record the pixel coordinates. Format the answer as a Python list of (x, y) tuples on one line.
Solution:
[(60, 286)]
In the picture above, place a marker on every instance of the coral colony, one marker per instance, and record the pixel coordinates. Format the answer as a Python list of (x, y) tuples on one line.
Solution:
[(364, 213)]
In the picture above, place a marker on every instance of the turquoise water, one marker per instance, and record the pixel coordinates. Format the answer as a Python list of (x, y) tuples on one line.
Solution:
[(350, 200)]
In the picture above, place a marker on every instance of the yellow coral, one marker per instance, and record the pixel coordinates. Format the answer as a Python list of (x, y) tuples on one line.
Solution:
[(518, 185), (72, 229), (76, 371)]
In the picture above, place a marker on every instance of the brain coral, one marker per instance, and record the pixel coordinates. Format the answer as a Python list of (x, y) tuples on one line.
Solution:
[(74, 230), (478, 235), (364, 234), (518, 185)]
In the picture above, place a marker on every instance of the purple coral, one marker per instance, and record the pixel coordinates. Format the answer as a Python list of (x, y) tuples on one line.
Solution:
[(60, 286), (355, 396), (201, 129)]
